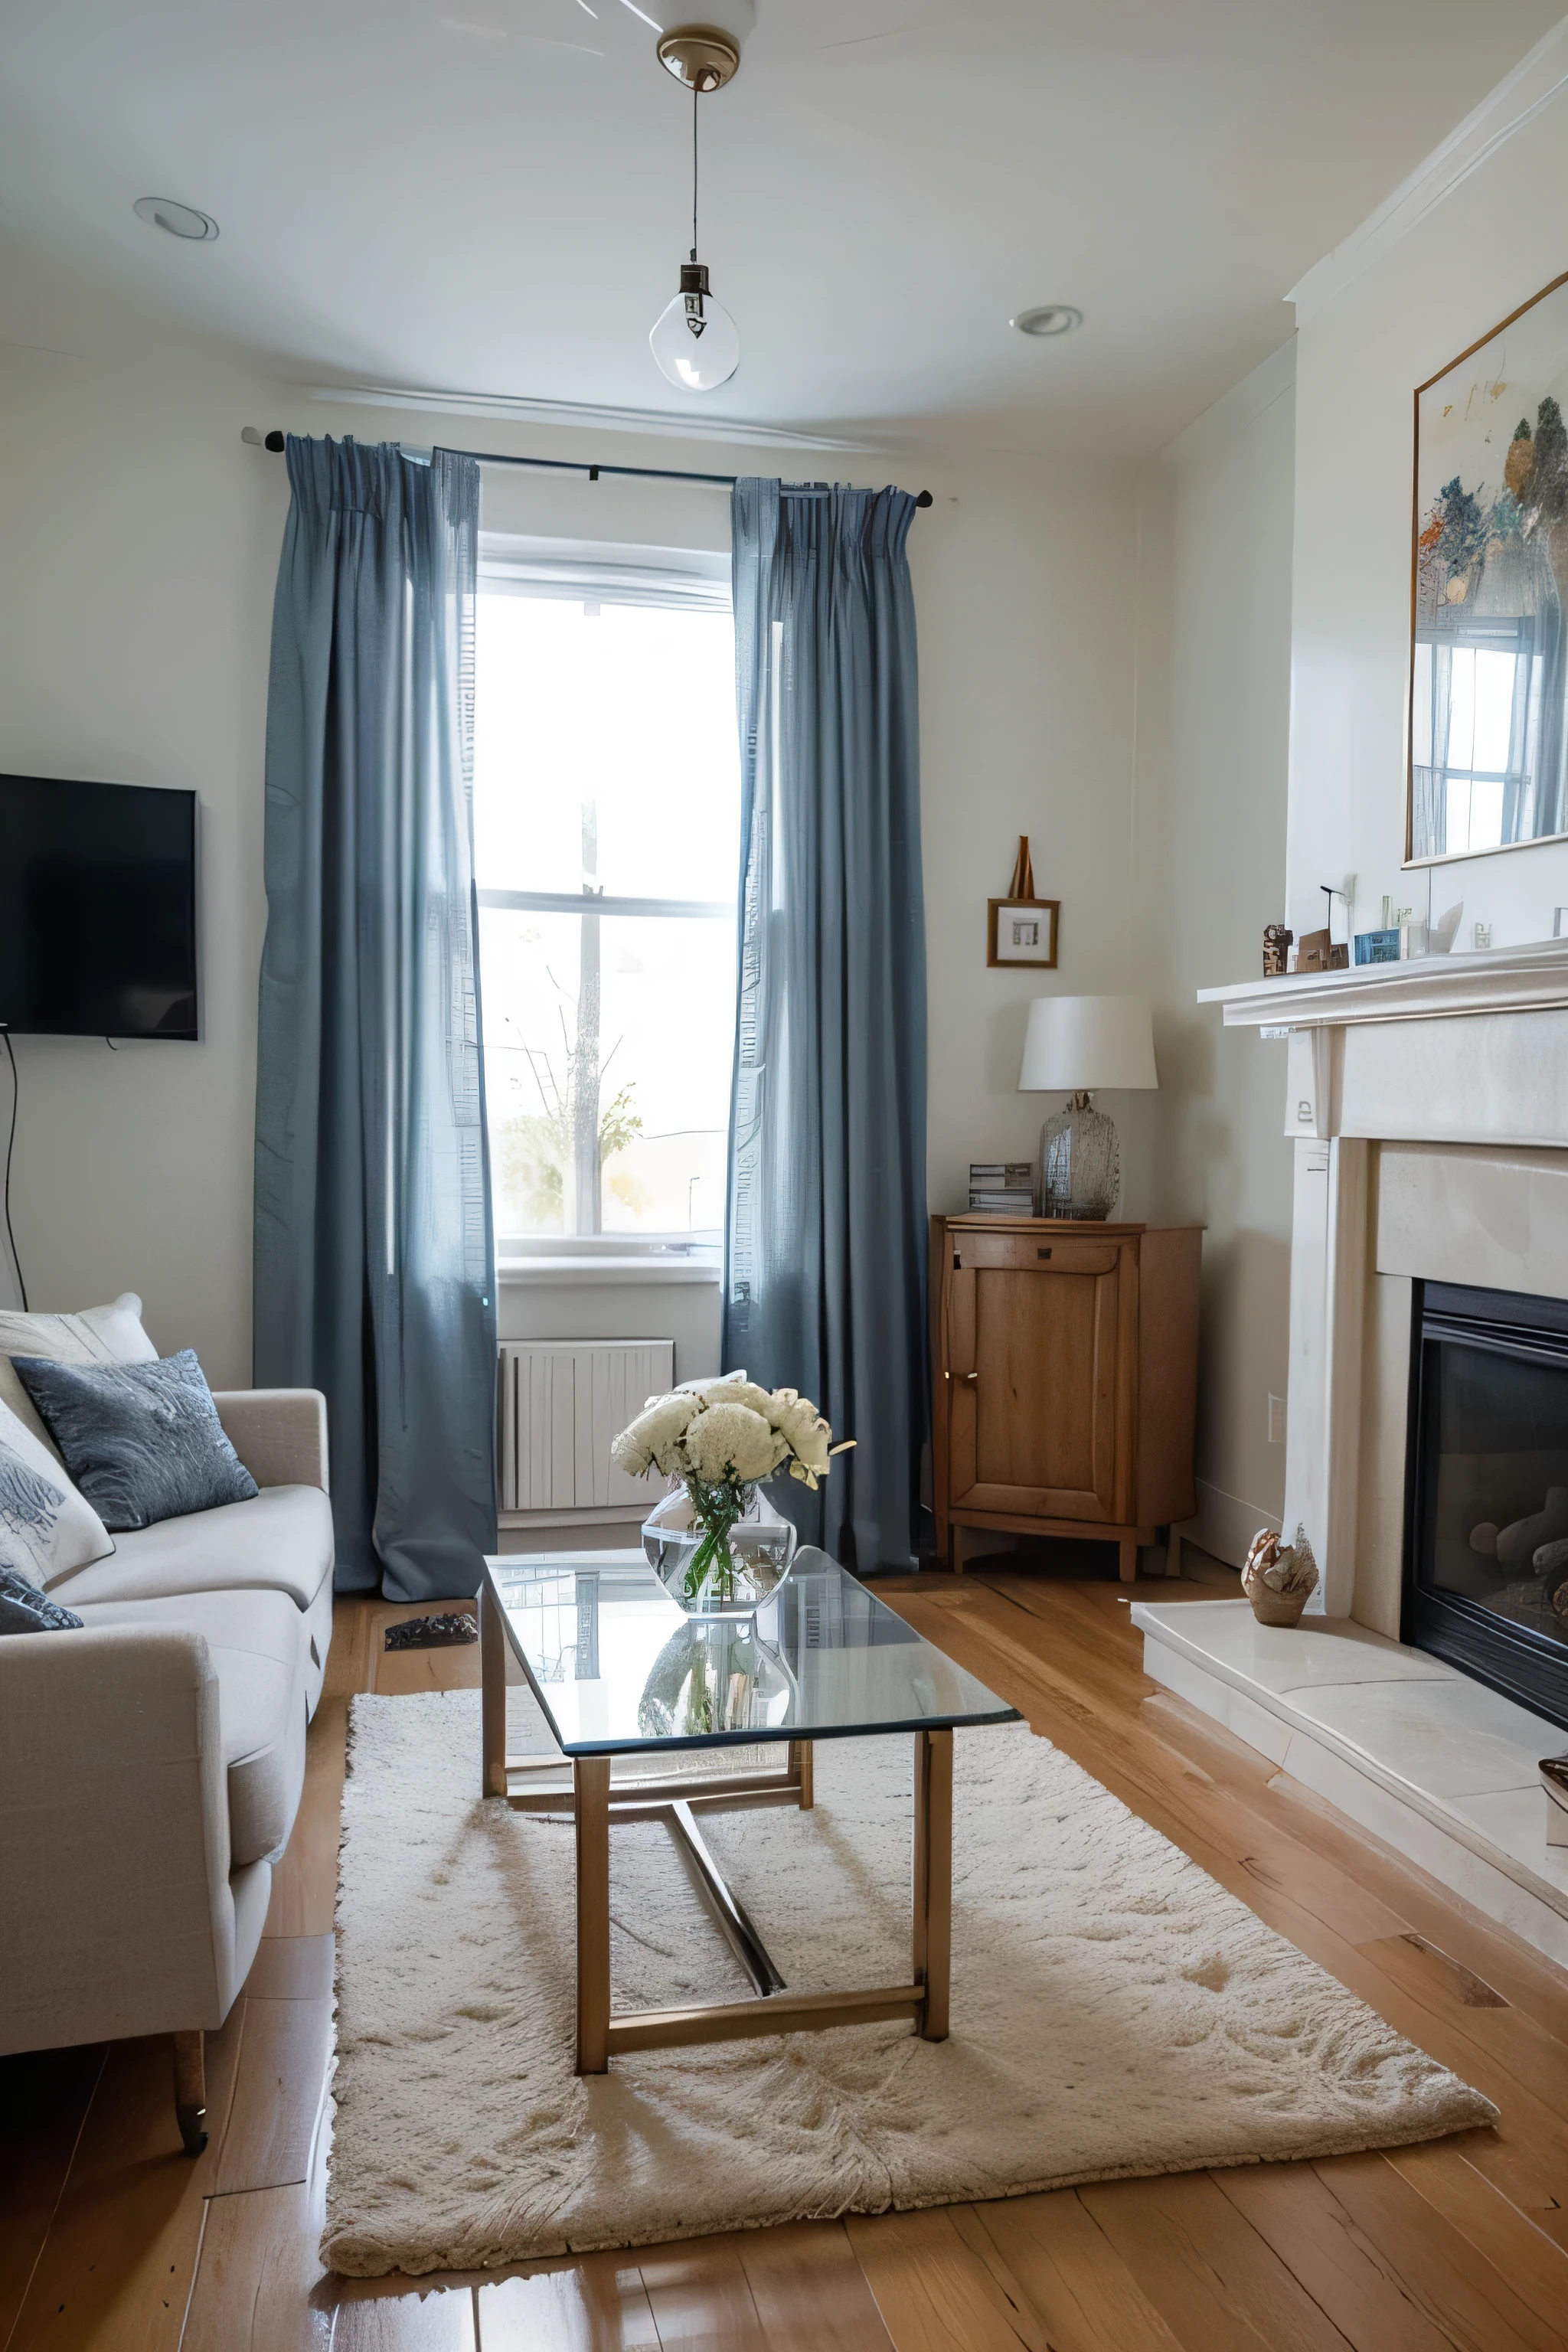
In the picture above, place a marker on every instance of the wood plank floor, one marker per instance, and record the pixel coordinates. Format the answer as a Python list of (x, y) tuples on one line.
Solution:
[(110, 2238)]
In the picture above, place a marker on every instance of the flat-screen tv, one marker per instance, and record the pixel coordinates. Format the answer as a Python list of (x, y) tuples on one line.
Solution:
[(97, 910)]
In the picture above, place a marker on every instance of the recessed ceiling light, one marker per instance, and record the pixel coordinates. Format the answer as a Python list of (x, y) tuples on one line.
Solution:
[(1049, 319), (180, 220)]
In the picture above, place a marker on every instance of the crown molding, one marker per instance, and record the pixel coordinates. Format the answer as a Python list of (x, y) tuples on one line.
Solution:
[(1537, 80), (567, 412)]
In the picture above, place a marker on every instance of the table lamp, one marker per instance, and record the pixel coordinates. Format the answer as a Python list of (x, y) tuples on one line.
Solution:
[(1077, 1044)]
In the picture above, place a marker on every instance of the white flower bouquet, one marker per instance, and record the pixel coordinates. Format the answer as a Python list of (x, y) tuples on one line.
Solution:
[(722, 1438)]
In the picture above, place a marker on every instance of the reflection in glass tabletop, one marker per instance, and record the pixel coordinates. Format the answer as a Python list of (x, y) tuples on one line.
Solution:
[(617, 1666)]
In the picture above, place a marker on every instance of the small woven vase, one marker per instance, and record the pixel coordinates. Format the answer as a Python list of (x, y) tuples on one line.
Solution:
[(1277, 1608)]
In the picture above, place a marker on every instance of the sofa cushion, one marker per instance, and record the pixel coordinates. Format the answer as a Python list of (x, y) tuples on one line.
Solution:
[(98, 1335), (46, 1529), (24, 1610), (144, 1441), (281, 1540), (256, 1645)]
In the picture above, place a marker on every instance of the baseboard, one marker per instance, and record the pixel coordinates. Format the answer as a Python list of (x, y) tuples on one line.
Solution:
[(1225, 1524)]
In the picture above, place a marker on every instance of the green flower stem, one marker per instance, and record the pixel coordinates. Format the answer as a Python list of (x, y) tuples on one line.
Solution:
[(716, 1507)]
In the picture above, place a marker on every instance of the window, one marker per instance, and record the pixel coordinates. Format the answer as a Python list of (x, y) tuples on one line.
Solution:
[(607, 809), (1476, 736)]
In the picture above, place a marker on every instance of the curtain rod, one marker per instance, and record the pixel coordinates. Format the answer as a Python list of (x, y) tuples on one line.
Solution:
[(274, 441)]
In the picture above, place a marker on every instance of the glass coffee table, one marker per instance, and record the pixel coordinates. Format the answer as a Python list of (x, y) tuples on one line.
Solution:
[(618, 1669)]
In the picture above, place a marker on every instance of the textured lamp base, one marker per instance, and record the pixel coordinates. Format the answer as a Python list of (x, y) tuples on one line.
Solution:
[(1080, 1162)]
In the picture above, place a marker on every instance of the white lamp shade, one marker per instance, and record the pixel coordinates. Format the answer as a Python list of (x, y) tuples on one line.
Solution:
[(1083, 1043)]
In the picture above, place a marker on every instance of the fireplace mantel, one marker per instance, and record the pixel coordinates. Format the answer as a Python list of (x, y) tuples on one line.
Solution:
[(1428, 1106), (1530, 979)]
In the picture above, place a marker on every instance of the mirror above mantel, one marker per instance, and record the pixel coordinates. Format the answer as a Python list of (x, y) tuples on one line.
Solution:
[(1488, 703)]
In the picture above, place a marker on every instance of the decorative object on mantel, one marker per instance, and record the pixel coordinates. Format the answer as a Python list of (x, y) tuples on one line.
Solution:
[(1080, 1044), (1279, 1579), (1021, 930), (1277, 939), (1397, 937), (1489, 589), (722, 1437), (1553, 1770), (1318, 953)]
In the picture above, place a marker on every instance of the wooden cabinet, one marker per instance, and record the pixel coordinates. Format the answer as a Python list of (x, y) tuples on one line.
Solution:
[(1064, 1376)]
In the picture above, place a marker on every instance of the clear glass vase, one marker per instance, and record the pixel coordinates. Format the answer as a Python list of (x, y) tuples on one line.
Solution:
[(747, 1557)]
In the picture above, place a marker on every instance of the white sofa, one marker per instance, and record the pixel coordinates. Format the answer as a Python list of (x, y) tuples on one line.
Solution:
[(151, 1762)]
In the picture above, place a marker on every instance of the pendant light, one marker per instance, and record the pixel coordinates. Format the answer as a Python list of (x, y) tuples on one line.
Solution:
[(694, 339)]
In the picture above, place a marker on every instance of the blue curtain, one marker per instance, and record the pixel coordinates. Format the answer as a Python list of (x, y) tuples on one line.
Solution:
[(374, 1251), (826, 1248)]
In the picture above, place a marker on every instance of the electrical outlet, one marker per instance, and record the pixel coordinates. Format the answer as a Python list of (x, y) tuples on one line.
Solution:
[(1276, 1421)]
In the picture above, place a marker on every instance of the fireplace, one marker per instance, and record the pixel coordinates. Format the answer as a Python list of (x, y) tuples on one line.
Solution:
[(1486, 1554)]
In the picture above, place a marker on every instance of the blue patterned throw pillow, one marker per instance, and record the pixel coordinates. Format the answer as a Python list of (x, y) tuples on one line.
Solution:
[(142, 1441), (24, 1610), (47, 1529)]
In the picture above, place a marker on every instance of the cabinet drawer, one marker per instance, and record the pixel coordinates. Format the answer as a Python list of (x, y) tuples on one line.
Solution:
[(1024, 1253)]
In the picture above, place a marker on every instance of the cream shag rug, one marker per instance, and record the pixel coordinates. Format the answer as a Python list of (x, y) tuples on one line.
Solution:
[(1114, 2010)]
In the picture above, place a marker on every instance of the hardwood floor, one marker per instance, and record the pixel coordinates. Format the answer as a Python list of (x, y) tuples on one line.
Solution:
[(110, 2238)]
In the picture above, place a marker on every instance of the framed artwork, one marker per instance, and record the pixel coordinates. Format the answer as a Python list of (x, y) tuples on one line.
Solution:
[(1489, 591), (1022, 932)]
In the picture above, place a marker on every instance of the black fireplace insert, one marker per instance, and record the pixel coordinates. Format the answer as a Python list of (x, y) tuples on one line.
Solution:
[(1486, 1547)]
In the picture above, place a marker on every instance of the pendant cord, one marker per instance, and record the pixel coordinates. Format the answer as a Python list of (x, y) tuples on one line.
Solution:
[(694, 96)]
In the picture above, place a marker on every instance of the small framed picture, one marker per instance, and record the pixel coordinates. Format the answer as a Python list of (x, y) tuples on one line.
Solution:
[(1022, 931)]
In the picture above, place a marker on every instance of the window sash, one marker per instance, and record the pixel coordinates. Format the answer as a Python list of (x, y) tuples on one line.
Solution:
[(589, 902)]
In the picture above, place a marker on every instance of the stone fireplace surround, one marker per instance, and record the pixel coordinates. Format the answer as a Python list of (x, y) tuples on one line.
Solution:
[(1428, 1107)]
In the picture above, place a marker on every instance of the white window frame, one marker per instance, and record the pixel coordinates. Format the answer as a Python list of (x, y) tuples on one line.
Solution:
[(601, 573)]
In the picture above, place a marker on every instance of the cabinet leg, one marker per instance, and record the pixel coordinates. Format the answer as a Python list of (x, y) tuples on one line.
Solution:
[(1173, 1553), (956, 1551), (1127, 1549)]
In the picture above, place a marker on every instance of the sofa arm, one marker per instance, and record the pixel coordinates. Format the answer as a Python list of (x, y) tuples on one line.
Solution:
[(114, 1850), (279, 1434)]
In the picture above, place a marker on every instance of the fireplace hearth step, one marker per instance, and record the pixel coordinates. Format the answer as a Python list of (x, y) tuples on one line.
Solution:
[(1447, 1772)]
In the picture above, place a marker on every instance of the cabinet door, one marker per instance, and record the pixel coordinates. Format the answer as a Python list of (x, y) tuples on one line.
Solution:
[(1040, 1360)]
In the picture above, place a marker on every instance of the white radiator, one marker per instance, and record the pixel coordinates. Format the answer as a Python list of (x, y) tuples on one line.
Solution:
[(561, 1403)]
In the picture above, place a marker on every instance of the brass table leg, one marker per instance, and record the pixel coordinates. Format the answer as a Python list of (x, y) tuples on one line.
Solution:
[(493, 1694), (591, 1777), (801, 1760), (932, 1940)]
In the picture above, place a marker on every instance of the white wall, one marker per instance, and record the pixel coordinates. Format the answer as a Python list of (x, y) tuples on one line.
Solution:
[(1213, 701), (141, 541), (1469, 254)]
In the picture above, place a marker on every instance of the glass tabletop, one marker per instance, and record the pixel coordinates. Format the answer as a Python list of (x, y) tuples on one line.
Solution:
[(617, 1666)]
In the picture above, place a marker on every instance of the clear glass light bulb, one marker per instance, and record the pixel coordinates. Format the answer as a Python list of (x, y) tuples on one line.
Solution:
[(694, 339)]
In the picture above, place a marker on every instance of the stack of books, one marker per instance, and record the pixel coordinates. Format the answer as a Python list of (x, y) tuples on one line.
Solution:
[(1002, 1188)]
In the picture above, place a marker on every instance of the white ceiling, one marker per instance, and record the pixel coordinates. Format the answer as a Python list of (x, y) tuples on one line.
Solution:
[(491, 195)]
